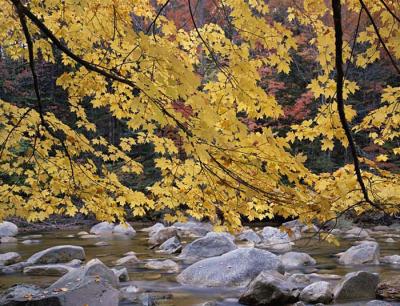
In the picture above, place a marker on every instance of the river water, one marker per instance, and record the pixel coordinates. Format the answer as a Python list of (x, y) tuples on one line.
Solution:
[(164, 284)]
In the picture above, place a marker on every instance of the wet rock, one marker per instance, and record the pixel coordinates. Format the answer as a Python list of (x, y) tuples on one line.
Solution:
[(8, 240), (9, 258), (48, 270), (103, 228), (82, 233), (121, 273), (390, 240), (162, 235), (8, 229), (89, 236), (319, 292), (193, 228), (293, 260), (170, 246), (101, 243), (213, 244), (357, 232), (57, 254), (129, 253), (389, 290), (235, 268), (276, 245), (393, 259), (34, 236), (364, 253), (299, 280), (270, 232), (381, 228), (269, 289), (31, 241), (249, 235), (324, 276), (356, 286), (25, 295), (92, 284), (378, 303), (153, 229), (127, 261), (167, 264), (124, 229), (14, 268)]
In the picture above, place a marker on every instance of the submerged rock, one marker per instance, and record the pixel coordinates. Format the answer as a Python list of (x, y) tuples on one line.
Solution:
[(235, 268), (269, 289), (213, 244), (293, 260), (167, 264), (319, 292), (9, 258), (356, 286), (389, 290), (57, 254), (364, 253), (8, 229)]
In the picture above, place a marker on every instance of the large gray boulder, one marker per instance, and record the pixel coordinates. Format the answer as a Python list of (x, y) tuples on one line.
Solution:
[(269, 289), (270, 232), (293, 260), (57, 254), (124, 229), (319, 292), (359, 285), (93, 284), (163, 235), (153, 229), (365, 253), (193, 228), (9, 258), (106, 228), (213, 244), (249, 235), (8, 229), (235, 268)]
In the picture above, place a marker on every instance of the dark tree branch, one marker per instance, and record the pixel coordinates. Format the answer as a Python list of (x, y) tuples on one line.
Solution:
[(390, 11), (337, 19)]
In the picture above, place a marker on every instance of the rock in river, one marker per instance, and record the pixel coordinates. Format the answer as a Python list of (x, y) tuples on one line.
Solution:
[(365, 253), (235, 268), (8, 229), (57, 254), (356, 286)]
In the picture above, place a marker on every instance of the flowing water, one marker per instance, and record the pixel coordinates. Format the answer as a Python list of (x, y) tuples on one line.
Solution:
[(164, 284)]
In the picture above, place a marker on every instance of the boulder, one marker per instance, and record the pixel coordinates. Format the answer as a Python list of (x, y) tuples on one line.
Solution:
[(168, 264), (389, 289), (293, 260), (393, 259), (235, 268), (299, 280), (319, 292), (270, 232), (48, 270), (170, 246), (124, 229), (153, 229), (127, 261), (57, 254), (162, 235), (249, 235), (193, 228), (269, 289), (9, 258), (92, 284), (364, 253), (213, 244), (359, 285), (8, 240), (14, 268), (103, 228), (8, 229), (121, 273), (356, 232)]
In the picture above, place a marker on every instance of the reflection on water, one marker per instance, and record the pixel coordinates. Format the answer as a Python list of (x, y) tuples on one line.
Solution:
[(165, 283)]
